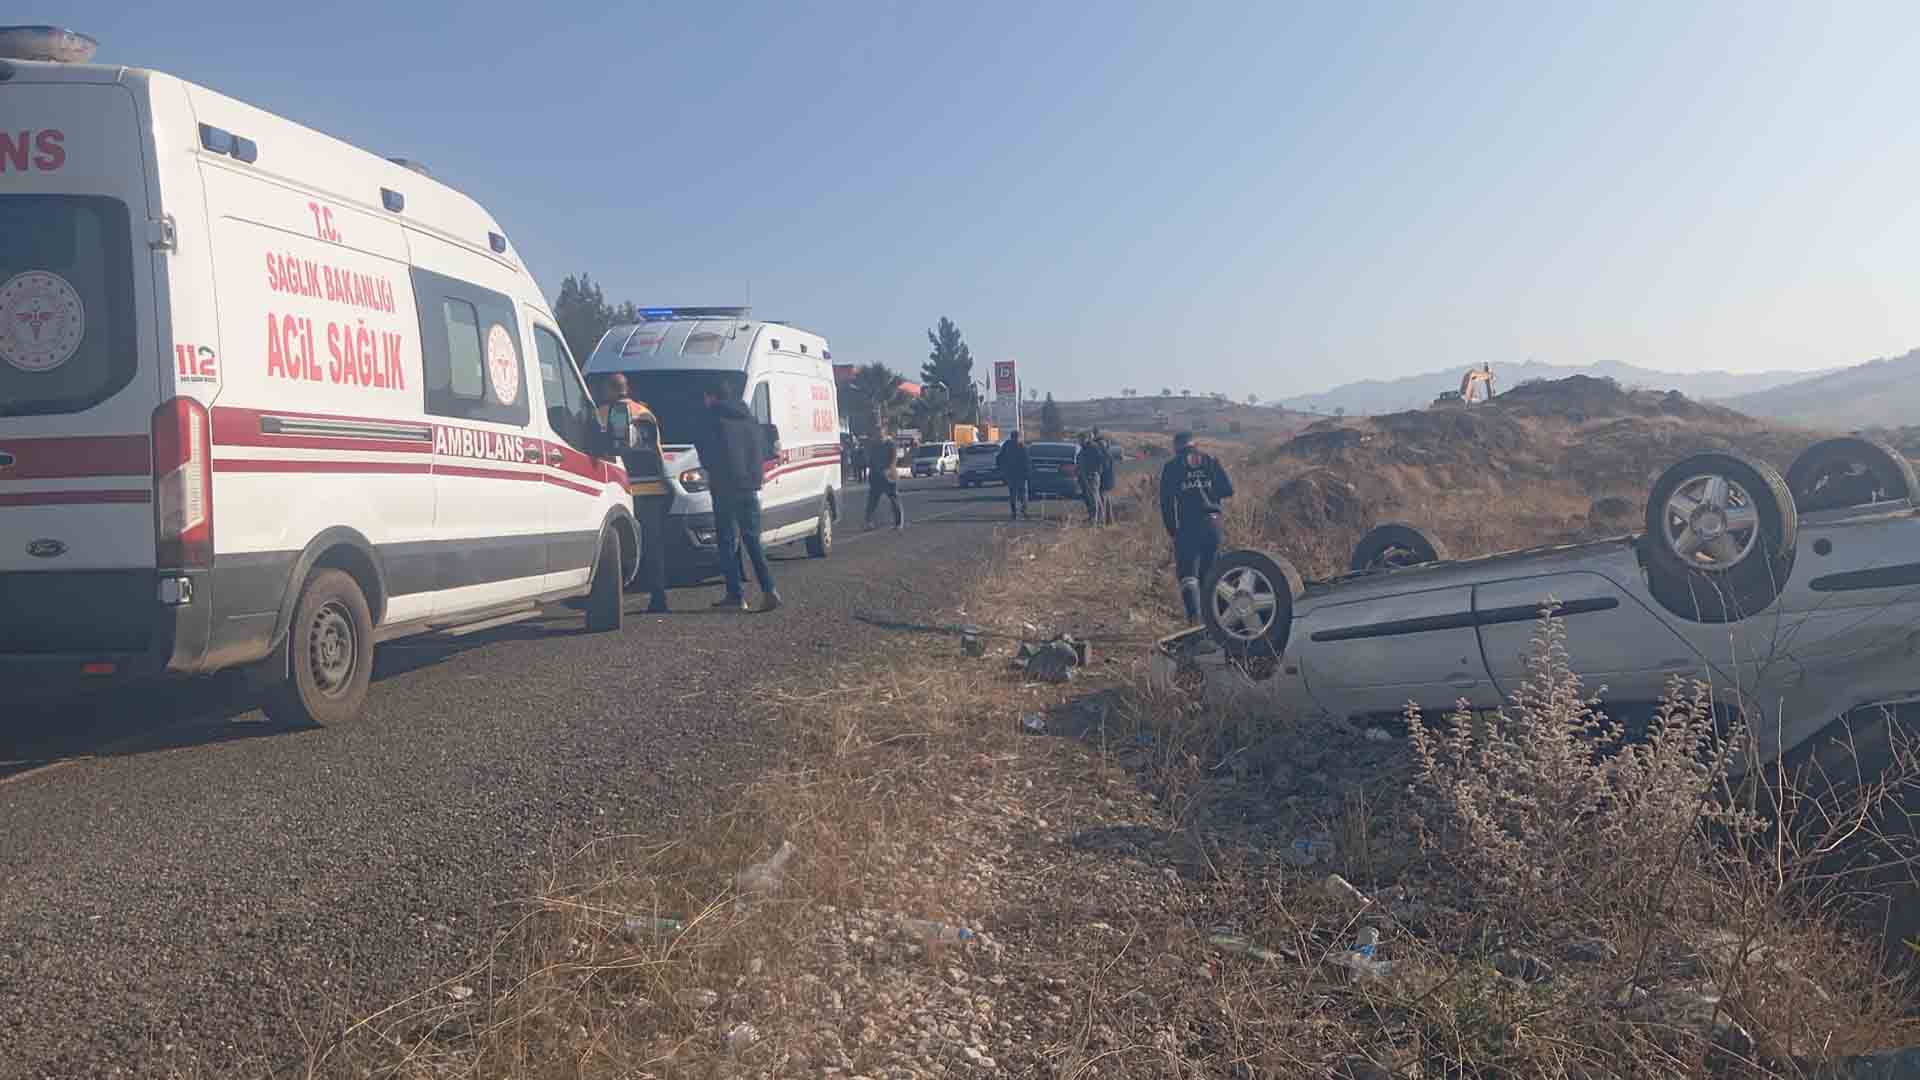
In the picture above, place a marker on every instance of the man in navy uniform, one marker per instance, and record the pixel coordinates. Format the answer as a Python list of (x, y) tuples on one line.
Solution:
[(1192, 486)]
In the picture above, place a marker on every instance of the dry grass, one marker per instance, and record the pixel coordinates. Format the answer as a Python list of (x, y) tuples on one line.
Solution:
[(1139, 912)]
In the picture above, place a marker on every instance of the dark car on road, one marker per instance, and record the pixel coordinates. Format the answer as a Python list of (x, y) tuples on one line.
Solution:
[(980, 464), (1053, 470)]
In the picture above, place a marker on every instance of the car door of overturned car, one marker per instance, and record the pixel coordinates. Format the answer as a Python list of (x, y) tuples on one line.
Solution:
[(1369, 658)]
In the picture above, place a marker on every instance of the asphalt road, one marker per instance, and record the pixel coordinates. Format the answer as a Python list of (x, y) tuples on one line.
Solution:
[(176, 880)]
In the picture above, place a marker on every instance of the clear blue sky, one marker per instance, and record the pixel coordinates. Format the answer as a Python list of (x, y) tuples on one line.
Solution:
[(1269, 198)]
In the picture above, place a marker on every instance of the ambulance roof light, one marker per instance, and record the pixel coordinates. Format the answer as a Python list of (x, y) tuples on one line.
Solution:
[(51, 43), (656, 314)]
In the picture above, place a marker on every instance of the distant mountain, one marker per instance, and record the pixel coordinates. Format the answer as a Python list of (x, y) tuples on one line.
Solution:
[(1884, 392), (1372, 396)]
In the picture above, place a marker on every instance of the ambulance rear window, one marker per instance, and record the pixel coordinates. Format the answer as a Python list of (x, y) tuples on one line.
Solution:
[(66, 303)]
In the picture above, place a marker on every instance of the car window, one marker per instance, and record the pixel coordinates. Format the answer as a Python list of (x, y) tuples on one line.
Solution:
[(568, 411), (762, 404), (66, 303)]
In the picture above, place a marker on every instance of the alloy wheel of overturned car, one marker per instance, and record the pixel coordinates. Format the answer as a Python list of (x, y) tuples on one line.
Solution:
[(1720, 537), (1849, 471), (1246, 603), (1393, 545)]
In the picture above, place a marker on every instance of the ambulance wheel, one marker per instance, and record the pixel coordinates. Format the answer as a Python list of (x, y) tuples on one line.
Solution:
[(604, 610), (820, 544), (329, 655)]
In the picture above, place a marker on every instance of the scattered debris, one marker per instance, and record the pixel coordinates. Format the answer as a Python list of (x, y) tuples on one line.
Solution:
[(1523, 966), (1305, 851), (765, 877), (1034, 722), (697, 998), (1343, 890), (742, 1036), (1234, 943), (460, 993), (970, 642), (644, 925), (1054, 662)]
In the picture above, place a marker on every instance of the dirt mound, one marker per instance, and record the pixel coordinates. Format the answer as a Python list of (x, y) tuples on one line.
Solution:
[(1324, 499), (1548, 462)]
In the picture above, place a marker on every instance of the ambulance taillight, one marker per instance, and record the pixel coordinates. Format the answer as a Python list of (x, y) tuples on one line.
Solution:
[(182, 485)]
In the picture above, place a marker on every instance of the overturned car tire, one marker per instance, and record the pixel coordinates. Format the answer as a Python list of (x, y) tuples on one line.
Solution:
[(1246, 603), (1720, 537), (1849, 471), (1392, 545)]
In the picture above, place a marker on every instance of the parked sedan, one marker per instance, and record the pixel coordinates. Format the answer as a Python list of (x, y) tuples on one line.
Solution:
[(979, 464), (1798, 599), (1053, 470)]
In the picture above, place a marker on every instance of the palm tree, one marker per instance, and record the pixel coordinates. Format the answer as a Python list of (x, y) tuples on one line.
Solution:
[(874, 395)]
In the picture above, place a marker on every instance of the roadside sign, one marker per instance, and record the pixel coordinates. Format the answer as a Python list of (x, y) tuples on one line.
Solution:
[(1003, 380)]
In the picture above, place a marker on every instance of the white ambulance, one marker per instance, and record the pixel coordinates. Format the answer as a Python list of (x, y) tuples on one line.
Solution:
[(784, 374), (267, 399)]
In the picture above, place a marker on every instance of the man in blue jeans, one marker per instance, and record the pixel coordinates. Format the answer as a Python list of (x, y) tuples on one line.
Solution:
[(733, 453)]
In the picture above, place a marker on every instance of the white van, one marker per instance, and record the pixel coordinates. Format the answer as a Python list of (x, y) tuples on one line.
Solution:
[(267, 399), (784, 374)]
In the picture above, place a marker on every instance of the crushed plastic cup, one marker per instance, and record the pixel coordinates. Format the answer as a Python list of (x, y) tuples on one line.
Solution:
[(765, 877)]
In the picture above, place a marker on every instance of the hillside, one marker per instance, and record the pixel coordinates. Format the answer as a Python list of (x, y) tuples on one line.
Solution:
[(1374, 396), (1550, 462), (1162, 416), (1879, 393)]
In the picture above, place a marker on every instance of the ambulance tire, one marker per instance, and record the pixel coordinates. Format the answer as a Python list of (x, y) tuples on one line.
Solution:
[(820, 543), (329, 657), (604, 601)]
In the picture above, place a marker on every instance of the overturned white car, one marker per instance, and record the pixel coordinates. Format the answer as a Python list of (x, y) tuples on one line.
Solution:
[(1797, 599)]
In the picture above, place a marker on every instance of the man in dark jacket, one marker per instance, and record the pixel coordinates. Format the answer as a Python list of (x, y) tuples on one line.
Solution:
[(732, 452), (1088, 465), (1107, 458), (1192, 486), (881, 455), (1015, 467)]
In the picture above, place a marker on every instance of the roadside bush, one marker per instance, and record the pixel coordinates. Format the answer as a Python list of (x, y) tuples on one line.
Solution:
[(1549, 794)]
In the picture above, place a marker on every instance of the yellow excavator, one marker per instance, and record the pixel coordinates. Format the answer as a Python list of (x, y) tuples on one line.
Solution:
[(1480, 377)]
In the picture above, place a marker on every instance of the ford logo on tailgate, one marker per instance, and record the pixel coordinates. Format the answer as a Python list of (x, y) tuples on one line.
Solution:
[(46, 548)]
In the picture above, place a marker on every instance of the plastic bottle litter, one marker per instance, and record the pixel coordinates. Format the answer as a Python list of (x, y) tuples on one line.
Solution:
[(1306, 851), (639, 925), (1234, 943), (765, 877), (1363, 967), (1367, 941), (933, 930)]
